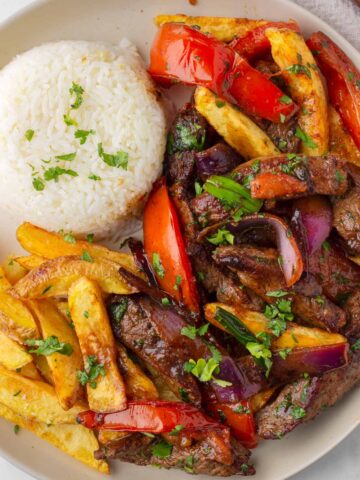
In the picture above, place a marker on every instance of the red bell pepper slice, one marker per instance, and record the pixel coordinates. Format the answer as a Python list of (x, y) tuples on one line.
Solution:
[(150, 416), (163, 242), (239, 417), (181, 53), (255, 43), (343, 80)]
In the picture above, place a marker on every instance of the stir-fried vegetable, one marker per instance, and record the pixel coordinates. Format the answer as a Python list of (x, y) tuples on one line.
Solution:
[(343, 80), (181, 53), (165, 248)]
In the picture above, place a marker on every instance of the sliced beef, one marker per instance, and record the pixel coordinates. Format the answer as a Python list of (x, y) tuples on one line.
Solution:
[(326, 175), (352, 310), (217, 160), (283, 135), (181, 198), (347, 219), (181, 167), (302, 400), (211, 454), (153, 333), (337, 275), (259, 270)]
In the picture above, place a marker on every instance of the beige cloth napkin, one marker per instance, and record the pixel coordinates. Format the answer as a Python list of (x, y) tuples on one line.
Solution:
[(342, 15)]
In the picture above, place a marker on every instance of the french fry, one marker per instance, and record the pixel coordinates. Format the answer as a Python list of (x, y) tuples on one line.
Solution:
[(341, 142), (63, 368), (31, 372), (138, 385), (12, 355), (34, 400), (295, 336), (29, 262), (13, 271), (234, 126), (288, 48), (356, 259), (42, 243), (42, 366), (259, 400), (55, 277), (75, 440), (97, 341), (16, 321), (224, 29), (4, 282)]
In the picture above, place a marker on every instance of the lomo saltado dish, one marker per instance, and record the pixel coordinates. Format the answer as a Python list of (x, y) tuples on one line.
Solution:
[(237, 318)]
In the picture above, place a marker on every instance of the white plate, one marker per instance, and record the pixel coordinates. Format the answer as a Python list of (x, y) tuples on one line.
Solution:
[(110, 20)]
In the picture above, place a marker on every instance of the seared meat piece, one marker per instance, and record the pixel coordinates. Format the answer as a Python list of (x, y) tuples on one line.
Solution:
[(213, 453), (283, 135), (153, 333), (180, 196), (259, 270), (347, 219), (181, 166), (337, 275), (216, 160), (301, 401), (352, 310), (317, 175)]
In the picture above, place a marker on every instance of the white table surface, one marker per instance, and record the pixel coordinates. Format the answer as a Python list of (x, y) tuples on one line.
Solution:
[(343, 462)]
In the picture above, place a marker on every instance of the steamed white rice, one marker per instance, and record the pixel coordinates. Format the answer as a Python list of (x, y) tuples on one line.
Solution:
[(119, 104)]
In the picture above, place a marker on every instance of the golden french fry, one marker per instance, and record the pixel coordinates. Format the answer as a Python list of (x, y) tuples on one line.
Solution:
[(138, 385), (106, 436), (97, 342), (16, 321), (42, 366), (341, 142), (42, 243), (63, 368), (234, 126), (356, 259), (55, 277), (12, 355), (4, 282), (288, 48), (30, 371), (13, 271), (259, 400), (30, 261), (295, 336), (224, 29), (34, 400), (75, 440)]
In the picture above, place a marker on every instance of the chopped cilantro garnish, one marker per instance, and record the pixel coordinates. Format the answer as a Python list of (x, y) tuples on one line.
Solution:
[(68, 236), (78, 91), (282, 118), (219, 103), (285, 100), (69, 120), (158, 266), (120, 159), (16, 429), (221, 237), (175, 431), (86, 314), (93, 369), (319, 300), (356, 346), (49, 346), (277, 293), (178, 280), (339, 176), (278, 315), (198, 188), (118, 309), (86, 256), (38, 184), (162, 449), (165, 301), (46, 289), (92, 176), (53, 173), (305, 138), (29, 134), (284, 352), (69, 157), (241, 409), (191, 331), (82, 135), (90, 237), (184, 395), (297, 412), (326, 246), (298, 68)]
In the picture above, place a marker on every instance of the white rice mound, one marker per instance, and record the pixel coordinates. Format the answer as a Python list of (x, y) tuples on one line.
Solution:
[(119, 104)]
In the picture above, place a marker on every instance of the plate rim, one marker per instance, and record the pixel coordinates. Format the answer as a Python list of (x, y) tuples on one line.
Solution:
[(354, 54)]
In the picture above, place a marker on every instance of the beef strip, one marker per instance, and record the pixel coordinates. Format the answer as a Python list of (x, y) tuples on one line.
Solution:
[(283, 135), (259, 270), (352, 310), (302, 400), (347, 219), (319, 175), (211, 454), (181, 166), (153, 334), (337, 275)]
